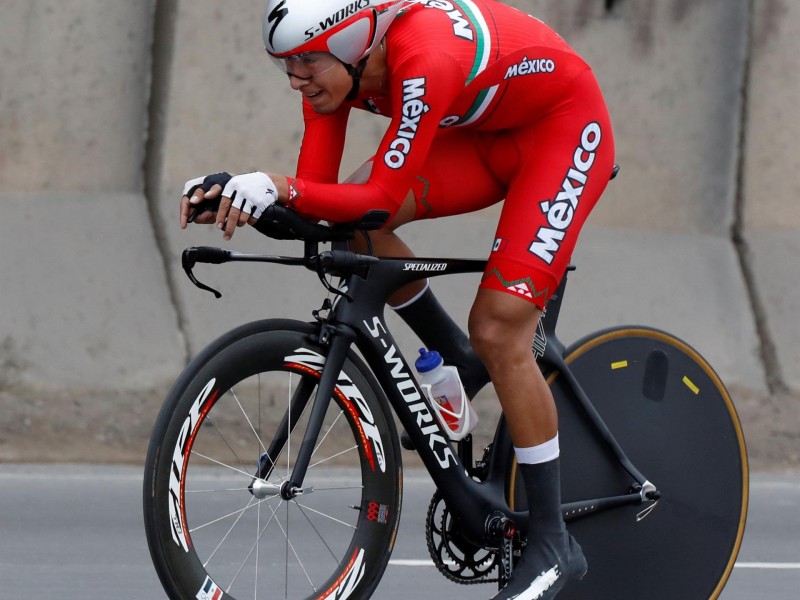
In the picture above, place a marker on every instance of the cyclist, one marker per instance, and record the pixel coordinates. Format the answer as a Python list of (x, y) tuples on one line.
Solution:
[(485, 104)]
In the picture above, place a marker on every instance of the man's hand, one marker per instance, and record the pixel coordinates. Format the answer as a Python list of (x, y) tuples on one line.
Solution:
[(244, 199), (201, 198)]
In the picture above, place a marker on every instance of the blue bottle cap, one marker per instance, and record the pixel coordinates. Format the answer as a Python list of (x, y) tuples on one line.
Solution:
[(428, 360)]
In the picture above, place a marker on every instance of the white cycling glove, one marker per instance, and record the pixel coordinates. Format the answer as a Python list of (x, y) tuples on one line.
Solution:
[(251, 193)]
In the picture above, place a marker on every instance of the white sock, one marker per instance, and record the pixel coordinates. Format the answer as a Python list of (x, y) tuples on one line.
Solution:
[(542, 453)]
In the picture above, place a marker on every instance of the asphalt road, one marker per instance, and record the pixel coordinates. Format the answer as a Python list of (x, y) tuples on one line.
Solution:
[(75, 533)]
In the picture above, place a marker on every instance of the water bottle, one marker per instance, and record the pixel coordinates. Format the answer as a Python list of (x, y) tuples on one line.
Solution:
[(446, 394)]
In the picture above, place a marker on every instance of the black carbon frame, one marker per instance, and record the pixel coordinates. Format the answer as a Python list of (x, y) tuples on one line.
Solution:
[(357, 317)]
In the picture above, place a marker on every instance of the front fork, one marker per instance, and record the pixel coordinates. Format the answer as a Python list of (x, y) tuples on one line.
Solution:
[(338, 340)]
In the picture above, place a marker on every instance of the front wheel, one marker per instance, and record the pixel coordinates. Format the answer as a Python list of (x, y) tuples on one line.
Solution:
[(215, 530), (675, 421)]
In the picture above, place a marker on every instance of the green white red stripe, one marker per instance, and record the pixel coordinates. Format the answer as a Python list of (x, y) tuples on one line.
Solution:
[(483, 50), (483, 37)]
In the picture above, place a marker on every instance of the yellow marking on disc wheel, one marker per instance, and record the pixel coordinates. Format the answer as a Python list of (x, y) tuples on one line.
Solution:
[(690, 384), (620, 364)]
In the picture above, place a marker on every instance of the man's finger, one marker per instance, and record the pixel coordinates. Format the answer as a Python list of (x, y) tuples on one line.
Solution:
[(222, 212), (215, 191), (231, 223), (183, 212)]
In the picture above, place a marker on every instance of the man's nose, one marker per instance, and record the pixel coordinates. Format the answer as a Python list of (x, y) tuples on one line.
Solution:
[(298, 83)]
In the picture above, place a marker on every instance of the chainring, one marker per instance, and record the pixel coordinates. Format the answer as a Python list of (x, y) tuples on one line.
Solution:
[(457, 558)]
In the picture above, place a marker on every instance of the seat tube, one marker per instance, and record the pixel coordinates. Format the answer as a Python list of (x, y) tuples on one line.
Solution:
[(339, 345)]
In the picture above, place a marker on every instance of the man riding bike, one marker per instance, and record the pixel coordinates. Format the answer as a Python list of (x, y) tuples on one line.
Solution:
[(485, 104)]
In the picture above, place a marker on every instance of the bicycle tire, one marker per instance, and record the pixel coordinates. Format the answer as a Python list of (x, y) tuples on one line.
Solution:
[(209, 536), (675, 420)]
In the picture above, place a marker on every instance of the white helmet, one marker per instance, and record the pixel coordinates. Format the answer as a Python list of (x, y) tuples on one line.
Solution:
[(348, 29)]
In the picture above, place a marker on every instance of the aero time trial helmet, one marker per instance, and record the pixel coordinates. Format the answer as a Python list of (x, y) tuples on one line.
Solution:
[(348, 29)]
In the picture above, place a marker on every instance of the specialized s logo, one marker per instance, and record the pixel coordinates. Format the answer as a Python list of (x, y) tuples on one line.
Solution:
[(275, 17), (336, 18), (561, 211), (411, 113)]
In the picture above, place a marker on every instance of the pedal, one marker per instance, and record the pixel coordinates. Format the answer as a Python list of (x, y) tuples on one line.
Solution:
[(504, 531)]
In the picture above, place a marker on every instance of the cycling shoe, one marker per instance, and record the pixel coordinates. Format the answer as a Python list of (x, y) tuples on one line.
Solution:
[(544, 570)]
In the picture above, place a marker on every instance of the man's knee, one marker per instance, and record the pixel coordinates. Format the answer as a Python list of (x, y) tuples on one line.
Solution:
[(500, 327), (490, 337)]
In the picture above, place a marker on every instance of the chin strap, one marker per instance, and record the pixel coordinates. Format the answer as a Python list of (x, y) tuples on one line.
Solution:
[(355, 71)]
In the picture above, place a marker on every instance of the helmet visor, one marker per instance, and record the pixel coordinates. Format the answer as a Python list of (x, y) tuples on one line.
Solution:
[(306, 65)]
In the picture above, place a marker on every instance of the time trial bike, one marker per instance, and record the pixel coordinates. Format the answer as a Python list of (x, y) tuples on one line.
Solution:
[(274, 468)]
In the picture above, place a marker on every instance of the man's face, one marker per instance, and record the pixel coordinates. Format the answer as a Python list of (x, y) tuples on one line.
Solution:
[(321, 78)]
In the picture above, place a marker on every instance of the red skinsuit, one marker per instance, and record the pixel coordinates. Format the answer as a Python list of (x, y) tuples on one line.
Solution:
[(486, 103)]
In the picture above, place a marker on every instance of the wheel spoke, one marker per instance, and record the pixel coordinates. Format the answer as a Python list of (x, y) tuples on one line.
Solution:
[(224, 439), (214, 490), (258, 528), (239, 511), (222, 464), (249, 422), (253, 548), (332, 456), (230, 529), (322, 514), (327, 432)]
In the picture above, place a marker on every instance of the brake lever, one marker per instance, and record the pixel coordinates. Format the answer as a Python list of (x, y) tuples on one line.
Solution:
[(190, 257), (330, 287)]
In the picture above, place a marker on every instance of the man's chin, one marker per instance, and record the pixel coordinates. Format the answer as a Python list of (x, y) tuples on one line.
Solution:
[(325, 106)]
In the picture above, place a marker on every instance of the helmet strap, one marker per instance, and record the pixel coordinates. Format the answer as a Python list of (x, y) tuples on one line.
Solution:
[(355, 71)]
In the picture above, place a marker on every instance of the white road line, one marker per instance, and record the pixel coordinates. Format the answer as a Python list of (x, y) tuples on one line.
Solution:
[(766, 565), (407, 562)]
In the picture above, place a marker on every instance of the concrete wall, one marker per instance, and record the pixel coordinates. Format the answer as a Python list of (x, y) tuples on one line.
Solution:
[(770, 220), (106, 107), (83, 293)]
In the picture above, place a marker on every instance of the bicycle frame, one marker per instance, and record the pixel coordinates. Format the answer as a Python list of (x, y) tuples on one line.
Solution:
[(357, 317)]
